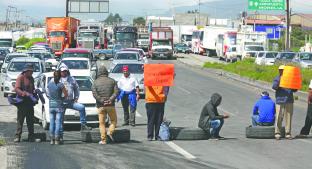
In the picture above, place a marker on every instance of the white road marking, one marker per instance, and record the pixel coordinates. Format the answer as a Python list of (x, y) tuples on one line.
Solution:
[(180, 150), (186, 91), (306, 141), (137, 114)]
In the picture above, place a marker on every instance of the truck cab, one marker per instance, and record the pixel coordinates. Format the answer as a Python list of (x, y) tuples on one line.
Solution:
[(126, 36), (161, 43), (6, 40)]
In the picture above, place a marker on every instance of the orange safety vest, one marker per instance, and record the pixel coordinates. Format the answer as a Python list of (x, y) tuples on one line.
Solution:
[(155, 94)]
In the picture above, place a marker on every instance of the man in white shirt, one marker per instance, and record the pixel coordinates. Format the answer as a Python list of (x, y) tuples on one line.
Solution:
[(129, 95)]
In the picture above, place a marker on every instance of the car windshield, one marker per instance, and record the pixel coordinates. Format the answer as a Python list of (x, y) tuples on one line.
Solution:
[(125, 36), (117, 47), (80, 55), (133, 68), (181, 45), (254, 48), (287, 55), (270, 55), (126, 56), (88, 34), (76, 64), (10, 57), (161, 43), (306, 56), (84, 83), (57, 34), (36, 55), (19, 66)]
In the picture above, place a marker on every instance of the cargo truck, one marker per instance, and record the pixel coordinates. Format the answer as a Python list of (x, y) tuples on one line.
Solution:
[(126, 36), (161, 43), (61, 33), (143, 38)]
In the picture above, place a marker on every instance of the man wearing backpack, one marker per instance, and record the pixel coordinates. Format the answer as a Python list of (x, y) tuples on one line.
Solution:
[(25, 88)]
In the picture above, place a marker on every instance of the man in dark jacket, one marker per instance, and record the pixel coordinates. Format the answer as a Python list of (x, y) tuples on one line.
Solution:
[(210, 120), (285, 106), (105, 91), (263, 111)]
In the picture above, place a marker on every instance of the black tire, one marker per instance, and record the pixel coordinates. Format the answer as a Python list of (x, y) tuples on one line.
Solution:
[(180, 133), (94, 136), (263, 132), (41, 135)]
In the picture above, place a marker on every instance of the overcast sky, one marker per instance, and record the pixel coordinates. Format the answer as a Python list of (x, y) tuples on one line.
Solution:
[(130, 8)]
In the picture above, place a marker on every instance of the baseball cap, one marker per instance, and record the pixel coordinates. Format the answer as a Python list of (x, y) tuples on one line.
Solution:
[(281, 67), (265, 93), (125, 68)]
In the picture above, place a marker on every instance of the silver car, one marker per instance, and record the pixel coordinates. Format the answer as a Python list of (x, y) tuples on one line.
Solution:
[(304, 59), (135, 69), (15, 67)]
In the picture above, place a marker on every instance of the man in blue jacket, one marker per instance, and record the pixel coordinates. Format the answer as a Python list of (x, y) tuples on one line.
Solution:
[(285, 106), (263, 111)]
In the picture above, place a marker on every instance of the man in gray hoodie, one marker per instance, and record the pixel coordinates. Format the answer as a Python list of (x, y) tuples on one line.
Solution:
[(210, 120)]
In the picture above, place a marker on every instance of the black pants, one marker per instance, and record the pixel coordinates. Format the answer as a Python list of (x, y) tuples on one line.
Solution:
[(308, 121), (25, 110), (155, 114), (125, 106)]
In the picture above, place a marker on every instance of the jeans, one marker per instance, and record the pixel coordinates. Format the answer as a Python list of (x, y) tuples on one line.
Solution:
[(255, 121), (55, 122), (75, 106), (215, 127), (103, 112), (155, 114)]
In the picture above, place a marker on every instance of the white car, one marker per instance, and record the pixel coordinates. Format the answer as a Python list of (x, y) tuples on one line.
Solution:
[(79, 66), (266, 58), (71, 116)]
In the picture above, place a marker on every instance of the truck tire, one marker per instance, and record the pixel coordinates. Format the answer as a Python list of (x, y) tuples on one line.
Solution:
[(94, 136), (180, 133), (262, 132)]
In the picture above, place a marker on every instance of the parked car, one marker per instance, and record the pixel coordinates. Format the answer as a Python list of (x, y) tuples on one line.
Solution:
[(135, 69), (41, 111), (266, 58), (15, 67), (182, 48), (79, 65), (78, 53), (231, 54), (284, 57), (304, 59)]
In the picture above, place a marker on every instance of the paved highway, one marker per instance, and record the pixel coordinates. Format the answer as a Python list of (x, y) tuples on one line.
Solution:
[(193, 88)]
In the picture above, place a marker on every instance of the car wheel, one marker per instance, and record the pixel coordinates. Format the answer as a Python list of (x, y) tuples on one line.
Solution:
[(262, 132), (5, 95), (94, 136), (44, 123), (180, 133)]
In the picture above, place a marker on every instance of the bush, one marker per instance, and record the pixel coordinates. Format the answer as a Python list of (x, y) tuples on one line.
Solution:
[(33, 41), (2, 142), (247, 68), (22, 41)]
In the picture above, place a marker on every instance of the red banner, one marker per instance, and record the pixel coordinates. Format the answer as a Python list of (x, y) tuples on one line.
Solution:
[(158, 74)]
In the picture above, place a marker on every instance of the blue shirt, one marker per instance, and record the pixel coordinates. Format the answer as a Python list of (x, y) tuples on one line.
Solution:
[(265, 108), (55, 94)]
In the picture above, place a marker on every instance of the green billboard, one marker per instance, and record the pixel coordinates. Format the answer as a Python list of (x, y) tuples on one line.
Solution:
[(259, 5)]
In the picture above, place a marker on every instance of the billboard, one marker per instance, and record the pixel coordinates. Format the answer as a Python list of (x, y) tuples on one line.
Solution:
[(88, 6)]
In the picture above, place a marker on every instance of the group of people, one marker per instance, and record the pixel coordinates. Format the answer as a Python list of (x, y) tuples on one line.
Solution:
[(265, 112)]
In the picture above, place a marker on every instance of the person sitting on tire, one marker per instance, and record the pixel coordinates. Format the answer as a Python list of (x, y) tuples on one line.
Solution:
[(263, 111), (210, 120)]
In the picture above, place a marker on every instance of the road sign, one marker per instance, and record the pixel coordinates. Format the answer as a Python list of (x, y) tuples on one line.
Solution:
[(88, 6), (260, 5)]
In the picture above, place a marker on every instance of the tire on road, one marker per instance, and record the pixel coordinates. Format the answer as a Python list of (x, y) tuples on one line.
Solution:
[(41, 135), (94, 136), (180, 133), (263, 132)]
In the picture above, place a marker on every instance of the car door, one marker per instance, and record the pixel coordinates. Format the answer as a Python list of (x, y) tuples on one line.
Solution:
[(39, 83)]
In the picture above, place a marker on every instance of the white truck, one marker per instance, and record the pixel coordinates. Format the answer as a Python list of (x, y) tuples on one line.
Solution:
[(6, 40), (183, 34), (91, 35), (212, 42), (250, 43), (143, 38)]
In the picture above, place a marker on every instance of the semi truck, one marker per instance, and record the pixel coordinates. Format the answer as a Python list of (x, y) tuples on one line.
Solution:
[(61, 33), (126, 36), (92, 35), (161, 43), (143, 38), (6, 40)]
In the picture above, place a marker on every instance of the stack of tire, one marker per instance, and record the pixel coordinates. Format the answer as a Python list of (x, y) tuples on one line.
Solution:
[(262, 132)]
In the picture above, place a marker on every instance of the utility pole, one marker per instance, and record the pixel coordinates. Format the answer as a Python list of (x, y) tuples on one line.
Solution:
[(198, 12), (67, 3), (287, 47)]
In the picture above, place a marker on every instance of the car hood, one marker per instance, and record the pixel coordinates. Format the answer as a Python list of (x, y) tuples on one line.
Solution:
[(13, 75), (306, 62), (117, 76), (162, 47), (86, 97)]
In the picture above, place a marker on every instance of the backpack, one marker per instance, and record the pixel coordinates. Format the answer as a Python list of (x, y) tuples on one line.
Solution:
[(164, 131)]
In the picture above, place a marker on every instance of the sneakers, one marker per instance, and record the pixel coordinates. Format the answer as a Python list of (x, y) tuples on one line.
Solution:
[(57, 142), (277, 136), (111, 137), (149, 139), (17, 139), (289, 137), (52, 142), (220, 138), (102, 142), (302, 136), (85, 127)]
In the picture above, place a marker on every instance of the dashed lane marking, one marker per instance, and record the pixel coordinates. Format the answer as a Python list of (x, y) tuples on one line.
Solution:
[(180, 150), (186, 91)]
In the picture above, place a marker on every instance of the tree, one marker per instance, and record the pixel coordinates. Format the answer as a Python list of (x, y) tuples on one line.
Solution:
[(22, 40), (139, 21), (113, 19)]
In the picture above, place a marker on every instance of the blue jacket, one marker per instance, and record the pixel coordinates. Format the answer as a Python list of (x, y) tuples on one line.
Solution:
[(131, 97), (265, 108), (282, 95)]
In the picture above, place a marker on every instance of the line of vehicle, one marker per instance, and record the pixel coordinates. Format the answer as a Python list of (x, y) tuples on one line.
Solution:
[(180, 150)]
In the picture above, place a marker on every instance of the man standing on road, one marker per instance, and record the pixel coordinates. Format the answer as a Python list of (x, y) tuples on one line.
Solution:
[(70, 101), (305, 131), (129, 95), (155, 97), (263, 111), (285, 106), (105, 91), (210, 120), (25, 88)]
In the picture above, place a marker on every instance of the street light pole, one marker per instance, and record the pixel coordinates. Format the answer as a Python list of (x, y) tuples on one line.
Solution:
[(67, 3), (287, 47)]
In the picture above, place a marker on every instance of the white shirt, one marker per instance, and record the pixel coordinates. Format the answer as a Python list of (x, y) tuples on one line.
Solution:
[(127, 84)]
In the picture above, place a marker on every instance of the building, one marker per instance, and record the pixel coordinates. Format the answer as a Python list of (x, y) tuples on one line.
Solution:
[(191, 19)]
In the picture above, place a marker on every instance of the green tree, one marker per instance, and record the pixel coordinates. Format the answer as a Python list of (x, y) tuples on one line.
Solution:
[(22, 40), (113, 19), (139, 21)]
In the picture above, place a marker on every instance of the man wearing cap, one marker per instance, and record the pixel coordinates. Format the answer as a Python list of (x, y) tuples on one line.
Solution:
[(263, 111), (305, 131), (70, 101), (129, 95), (285, 106), (25, 88)]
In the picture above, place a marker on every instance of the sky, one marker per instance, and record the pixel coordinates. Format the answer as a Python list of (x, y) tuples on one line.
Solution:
[(39, 9)]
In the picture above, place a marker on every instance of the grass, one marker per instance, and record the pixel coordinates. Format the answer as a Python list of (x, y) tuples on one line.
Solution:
[(248, 68), (2, 142)]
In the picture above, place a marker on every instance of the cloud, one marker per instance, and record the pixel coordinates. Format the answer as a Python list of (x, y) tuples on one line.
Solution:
[(28, 4)]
